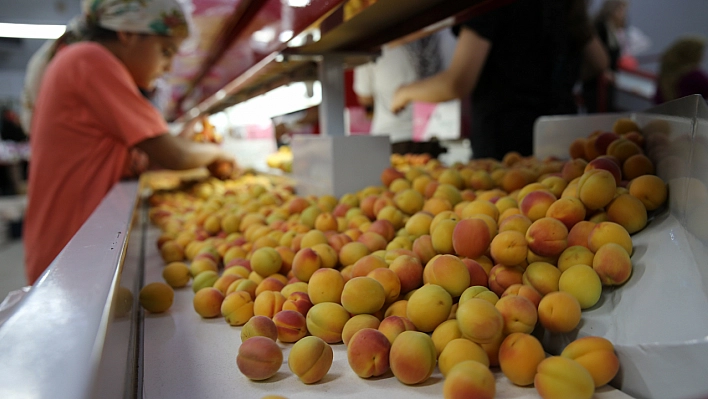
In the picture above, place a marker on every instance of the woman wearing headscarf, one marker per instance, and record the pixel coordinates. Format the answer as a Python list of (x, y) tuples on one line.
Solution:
[(90, 112)]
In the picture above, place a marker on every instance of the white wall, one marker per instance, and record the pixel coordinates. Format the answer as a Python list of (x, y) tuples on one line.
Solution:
[(11, 86)]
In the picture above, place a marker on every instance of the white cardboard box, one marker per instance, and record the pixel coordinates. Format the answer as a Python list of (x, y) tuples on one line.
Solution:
[(337, 165), (658, 320)]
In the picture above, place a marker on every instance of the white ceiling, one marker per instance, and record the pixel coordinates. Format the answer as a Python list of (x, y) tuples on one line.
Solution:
[(14, 53)]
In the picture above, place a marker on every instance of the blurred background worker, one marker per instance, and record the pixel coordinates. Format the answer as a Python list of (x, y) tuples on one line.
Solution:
[(376, 82), (519, 62), (89, 113), (680, 73)]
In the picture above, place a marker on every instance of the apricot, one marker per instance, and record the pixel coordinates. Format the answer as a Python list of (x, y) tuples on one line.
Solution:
[(596, 355), (569, 211), (542, 276), (325, 285), (449, 272), (612, 264), (583, 283), (627, 211), (419, 224), (244, 285), (480, 292), (222, 283), (172, 251), (310, 359), (176, 274), (199, 266), (428, 307), (291, 325), (412, 357), (368, 353), (352, 252), (535, 204), (389, 281), (555, 184), (516, 222), (268, 303), (609, 232), (471, 238), (392, 326), (326, 320), (650, 190), (259, 326), (328, 256), (156, 297), (259, 358), (266, 261), (559, 312), (442, 236), (305, 263), (459, 350), (573, 169), (578, 234), (625, 125), (479, 320), (622, 149), (608, 163), (596, 188), (366, 264), (357, 323), (519, 357), (207, 302), (237, 308), (502, 276), (637, 165), (575, 255), (525, 291), (561, 378), (469, 379), (423, 248), (444, 333), (509, 248), (409, 271), (363, 295), (409, 201), (547, 237), (519, 314)]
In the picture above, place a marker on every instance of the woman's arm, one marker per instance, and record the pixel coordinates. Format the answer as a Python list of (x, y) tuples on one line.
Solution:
[(595, 59), (458, 80), (177, 153)]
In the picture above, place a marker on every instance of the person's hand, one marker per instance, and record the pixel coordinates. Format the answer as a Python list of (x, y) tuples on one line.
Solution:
[(400, 100), (137, 163), (224, 166)]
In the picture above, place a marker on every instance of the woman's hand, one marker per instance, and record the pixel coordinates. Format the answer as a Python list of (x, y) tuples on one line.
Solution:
[(400, 100)]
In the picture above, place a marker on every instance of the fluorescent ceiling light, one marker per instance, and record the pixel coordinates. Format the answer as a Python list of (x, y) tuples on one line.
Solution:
[(285, 35), (298, 3), (31, 31)]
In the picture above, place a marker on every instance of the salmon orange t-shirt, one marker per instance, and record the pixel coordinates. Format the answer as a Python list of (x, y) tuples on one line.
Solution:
[(89, 113)]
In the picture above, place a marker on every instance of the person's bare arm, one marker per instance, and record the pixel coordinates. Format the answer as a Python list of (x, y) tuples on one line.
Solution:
[(177, 153), (595, 59), (365, 101), (457, 81)]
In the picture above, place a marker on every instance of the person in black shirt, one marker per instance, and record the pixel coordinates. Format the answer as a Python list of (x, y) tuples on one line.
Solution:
[(520, 62), (599, 91)]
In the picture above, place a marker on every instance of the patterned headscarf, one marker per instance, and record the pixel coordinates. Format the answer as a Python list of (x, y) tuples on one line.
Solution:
[(153, 17), (156, 17)]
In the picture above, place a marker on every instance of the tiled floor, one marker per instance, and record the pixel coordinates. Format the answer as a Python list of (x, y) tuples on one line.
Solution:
[(12, 271)]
